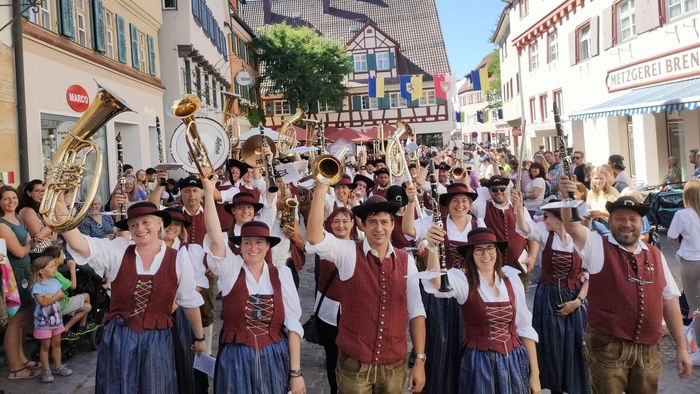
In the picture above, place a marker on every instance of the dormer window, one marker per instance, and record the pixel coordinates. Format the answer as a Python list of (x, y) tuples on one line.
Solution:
[(360, 61)]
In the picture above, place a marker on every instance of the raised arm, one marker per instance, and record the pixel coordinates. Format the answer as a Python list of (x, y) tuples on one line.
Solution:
[(516, 198), (409, 217), (314, 228), (578, 232), (73, 238), (211, 220)]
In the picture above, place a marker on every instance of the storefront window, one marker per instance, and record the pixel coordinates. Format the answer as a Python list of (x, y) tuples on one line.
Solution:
[(676, 144), (53, 129), (430, 139)]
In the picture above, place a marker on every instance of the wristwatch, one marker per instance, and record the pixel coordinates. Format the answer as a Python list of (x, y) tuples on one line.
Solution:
[(421, 356), (202, 339)]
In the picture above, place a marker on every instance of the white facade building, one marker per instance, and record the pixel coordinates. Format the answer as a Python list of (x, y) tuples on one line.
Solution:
[(622, 73), (479, 124)]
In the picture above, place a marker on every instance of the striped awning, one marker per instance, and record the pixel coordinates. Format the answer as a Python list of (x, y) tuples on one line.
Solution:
[(674, 96)]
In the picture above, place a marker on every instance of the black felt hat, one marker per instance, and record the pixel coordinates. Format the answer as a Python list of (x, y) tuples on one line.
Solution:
[(627, 203), (375, 204)]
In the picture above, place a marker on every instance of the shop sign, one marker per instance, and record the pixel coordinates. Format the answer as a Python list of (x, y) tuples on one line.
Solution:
[(475, 134), (676, 64), (77, 98), (244, 78)]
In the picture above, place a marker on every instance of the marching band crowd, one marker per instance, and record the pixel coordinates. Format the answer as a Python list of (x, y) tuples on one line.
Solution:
[(445, 253)]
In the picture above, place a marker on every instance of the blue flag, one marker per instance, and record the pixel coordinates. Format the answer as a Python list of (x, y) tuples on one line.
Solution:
[(480, 116), (500, 113), (406, 87), (476, 81), (458, 117)]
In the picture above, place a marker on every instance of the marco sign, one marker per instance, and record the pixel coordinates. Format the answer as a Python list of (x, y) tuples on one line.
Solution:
[(676, 64), (77, 98)]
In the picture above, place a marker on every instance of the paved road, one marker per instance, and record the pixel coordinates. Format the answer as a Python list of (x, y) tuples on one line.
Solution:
[(83, 362)]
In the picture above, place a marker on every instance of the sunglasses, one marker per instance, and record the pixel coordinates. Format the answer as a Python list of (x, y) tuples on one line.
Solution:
[(501, 189), (576, 157)]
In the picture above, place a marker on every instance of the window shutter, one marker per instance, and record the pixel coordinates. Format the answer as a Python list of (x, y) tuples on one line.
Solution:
[(66, 27), (371, 61), (98, 26), (121, 39), (439, 100), (24, 5), (392, 60), (647, 15), (202, 12), (594, 36), (224, 46), (195, 10), (151, 55), (243, 50), (413, 103), (134, 46), (357, 103), (607, 28), (383, 102), (188, 77), (573, 56)]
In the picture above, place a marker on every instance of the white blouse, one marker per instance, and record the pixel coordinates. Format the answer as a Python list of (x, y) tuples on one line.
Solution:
[(460, 291), (228, 267), (106, 255)]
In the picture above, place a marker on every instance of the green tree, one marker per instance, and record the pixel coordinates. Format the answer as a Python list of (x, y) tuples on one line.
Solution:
[(303, 66), (494, 69)]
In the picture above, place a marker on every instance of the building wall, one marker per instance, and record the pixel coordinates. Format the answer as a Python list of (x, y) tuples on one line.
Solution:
[(493, 130), (8, 106), (584, 83)]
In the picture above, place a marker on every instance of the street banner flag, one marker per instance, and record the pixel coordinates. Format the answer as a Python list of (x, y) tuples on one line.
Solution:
[(458, 117), (500, 113), (484, 78), (7, 177), (476, 83), (480, 116), (439, 81), (405, 82), (376, 87), (417, 87)]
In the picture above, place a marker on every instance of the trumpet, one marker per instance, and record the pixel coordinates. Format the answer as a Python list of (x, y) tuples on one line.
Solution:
[(458, 174), (328, 169), (185, 109)]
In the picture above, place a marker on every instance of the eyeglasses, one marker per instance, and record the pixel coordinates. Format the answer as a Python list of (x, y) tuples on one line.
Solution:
[(501, 189), (634, 276), (482, 251), (576, 157)]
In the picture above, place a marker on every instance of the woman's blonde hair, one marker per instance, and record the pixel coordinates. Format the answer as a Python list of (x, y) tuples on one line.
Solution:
[(691, 195), (39, 264), (604, 173)]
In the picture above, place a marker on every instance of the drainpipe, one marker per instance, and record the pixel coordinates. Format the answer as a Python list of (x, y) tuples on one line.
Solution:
[(18, 47)]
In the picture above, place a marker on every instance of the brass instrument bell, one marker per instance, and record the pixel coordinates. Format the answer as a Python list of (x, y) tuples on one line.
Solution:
[(251, 151)]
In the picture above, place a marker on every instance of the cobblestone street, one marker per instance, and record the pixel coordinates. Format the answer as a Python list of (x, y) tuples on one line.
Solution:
[(312, 361)]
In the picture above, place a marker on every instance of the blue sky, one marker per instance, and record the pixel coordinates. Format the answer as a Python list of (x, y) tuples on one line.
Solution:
[(467, 26)]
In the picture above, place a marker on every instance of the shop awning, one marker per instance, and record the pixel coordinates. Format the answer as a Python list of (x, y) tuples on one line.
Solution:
[(681, 95)]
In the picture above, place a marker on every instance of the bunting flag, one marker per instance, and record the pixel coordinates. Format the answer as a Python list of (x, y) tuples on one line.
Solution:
[(480, 116), (480, 79), (458, 117), (417, 87), (439, 82), (500, 113), (376, 87), (405, 82), (7, 177)]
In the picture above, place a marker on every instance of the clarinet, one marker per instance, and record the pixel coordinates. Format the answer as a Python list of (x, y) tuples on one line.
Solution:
[(444, 281), (269, 167), (120, 173), (161, 151), (566, 162), (321, 139)]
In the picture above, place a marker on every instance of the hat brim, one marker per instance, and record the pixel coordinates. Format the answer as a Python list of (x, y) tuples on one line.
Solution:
[(362, 211), (228, 207), (124, 223), (642, 210), (272, 240), (366, 180), (463, 249), (352, 185), (446, 197)]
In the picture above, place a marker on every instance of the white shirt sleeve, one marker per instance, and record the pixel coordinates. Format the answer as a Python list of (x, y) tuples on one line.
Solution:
[(523, 317), (479, 205), (538, 232), (292, 305), (340, 252), (228, 194), (186, 295), (677, 226), (197, 257), (267, 214), (458, 282), (422, 226), (105, 255), (226, 268), (592, 254), (413, 297), (671, 289)]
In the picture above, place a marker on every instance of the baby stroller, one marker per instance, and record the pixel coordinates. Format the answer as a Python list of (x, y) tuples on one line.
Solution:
[(664, 205)]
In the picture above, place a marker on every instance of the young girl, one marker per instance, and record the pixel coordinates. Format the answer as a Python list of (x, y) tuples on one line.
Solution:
[(48, 323)]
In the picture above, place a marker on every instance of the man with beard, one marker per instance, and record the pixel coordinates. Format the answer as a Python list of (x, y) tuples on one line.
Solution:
[(381, 182), (630, 290)]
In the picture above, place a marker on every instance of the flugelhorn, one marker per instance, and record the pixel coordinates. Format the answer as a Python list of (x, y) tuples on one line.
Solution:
[(185, 109), (458, 173), (287, 138), (396, 159), (68, 163), (329, 169)]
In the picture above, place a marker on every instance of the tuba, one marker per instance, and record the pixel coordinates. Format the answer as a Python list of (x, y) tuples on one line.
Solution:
[(287, 139), (185, 109), (69, 162)]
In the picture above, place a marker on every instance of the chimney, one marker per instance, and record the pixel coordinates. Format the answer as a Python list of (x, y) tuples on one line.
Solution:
[(326, 6), (267, 11)]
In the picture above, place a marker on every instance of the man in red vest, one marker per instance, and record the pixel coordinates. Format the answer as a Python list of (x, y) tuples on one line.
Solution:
[(376, 298), (630, 291)]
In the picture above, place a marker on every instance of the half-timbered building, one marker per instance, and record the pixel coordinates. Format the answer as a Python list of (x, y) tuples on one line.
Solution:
[(386, 39)]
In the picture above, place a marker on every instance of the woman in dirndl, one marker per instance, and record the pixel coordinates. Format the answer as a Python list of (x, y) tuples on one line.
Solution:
[(499, 353), (148, 278), (260, 342), (444, 320), (176, 238), (559, 311)]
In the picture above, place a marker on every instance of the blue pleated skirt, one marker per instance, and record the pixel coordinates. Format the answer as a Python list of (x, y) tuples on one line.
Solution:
[(444, 343), (560, 346), (130, 362), (487, 372), (242, 369), (184, 356)]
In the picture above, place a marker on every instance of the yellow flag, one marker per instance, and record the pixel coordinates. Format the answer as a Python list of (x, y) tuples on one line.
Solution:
[(417, 87), (484, 78), (380, 87)]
